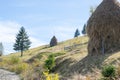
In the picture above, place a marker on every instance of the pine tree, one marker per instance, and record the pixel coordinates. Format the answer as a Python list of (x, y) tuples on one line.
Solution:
[(22, 42), (77, 33), (84, 29), (53, 41)]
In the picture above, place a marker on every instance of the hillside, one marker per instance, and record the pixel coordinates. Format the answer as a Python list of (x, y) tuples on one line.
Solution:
[(72, 60)]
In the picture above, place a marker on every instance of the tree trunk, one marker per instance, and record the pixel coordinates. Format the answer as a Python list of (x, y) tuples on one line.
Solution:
[(103, 48), (21, 53)]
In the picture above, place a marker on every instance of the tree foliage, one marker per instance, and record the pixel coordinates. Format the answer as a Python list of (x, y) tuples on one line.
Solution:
[(53, 41), (84, 29), (50, 62), (108, 71), (77, 33), (22, 42), (92, 9)]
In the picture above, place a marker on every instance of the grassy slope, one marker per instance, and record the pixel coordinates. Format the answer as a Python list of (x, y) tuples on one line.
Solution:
[(75, 60)]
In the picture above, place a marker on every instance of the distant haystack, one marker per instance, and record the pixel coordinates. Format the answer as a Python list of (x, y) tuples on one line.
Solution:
[(103, 28), (1, 49)]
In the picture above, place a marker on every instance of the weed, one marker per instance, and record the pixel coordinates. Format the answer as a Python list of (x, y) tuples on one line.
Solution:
[(108, 71)]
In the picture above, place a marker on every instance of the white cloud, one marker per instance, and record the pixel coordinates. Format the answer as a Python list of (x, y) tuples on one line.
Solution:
[(36, 42), (64, 28), (64, 32), (8, 32)]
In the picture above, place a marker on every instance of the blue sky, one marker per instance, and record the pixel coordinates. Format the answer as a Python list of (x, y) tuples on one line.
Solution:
[(42, 19)]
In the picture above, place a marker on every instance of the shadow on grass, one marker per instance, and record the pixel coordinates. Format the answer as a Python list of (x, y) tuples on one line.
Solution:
[(88, 64)]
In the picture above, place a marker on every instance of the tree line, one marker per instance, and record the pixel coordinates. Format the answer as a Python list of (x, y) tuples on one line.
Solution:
[(23, 43)]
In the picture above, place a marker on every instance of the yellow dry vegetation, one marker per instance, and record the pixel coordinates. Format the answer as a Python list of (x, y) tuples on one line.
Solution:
[(71, 57)]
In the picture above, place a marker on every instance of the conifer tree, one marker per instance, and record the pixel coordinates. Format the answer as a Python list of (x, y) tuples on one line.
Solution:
[(84, 29), (53, 41), (22, 42), (77, 33)]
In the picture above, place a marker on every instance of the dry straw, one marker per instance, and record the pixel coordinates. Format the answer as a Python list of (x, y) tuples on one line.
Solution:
[(103, 28)]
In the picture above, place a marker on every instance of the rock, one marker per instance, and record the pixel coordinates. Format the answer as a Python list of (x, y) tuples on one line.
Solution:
[(6, 75)]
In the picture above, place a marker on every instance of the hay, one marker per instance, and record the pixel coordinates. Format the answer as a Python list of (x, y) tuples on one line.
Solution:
[(103, 28)]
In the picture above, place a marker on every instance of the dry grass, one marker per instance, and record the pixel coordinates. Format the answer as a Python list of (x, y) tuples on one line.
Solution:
[(36, 57), (69, 63)]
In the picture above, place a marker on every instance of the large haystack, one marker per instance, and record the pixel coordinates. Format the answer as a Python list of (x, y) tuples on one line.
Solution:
[(103, 28)]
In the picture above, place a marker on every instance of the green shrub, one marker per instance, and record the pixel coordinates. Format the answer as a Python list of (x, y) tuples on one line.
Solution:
[(108, 71), (50, 62), (14, 60)]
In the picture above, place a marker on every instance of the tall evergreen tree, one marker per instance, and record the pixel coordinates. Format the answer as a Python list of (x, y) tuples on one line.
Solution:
[(22, 42), (84, 29), (77, 33), (53, 41)]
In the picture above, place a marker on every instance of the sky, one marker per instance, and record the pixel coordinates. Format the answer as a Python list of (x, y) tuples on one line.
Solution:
[(42, 19)]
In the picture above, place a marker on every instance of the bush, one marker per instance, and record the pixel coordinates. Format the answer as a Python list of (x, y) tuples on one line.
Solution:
[(50, 62), (108, 71)]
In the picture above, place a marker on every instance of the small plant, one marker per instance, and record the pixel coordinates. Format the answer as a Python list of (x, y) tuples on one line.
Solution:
[(108, 71), (51, 76), (50, 62)]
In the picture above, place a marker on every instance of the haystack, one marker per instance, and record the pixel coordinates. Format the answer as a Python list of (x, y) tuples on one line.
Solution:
[(103, 28)]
